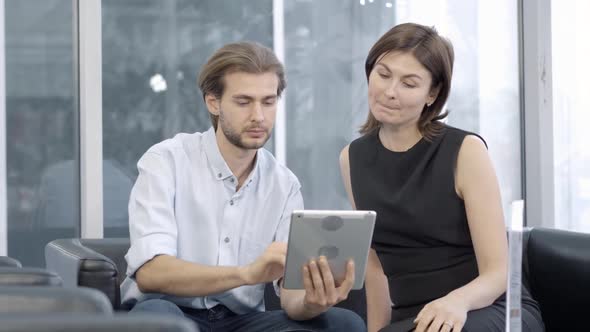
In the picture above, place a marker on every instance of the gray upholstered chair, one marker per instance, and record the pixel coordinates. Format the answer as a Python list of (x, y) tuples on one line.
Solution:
[(6, 261), (45, 300), (96, 323), (28, 276)]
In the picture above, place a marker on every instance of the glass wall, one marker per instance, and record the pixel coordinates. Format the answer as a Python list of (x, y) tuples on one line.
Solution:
[(326, 45), (41, 136), (152, 52), (485, 96), (571, 69)]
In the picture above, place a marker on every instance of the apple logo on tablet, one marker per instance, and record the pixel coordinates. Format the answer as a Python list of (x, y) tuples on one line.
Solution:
[(329, 251), (332, 223)]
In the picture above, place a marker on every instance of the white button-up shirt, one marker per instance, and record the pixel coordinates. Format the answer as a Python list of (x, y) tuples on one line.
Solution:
[(185, 204)]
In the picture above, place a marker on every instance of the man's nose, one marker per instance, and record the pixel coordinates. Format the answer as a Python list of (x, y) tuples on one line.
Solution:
[(257, 113)]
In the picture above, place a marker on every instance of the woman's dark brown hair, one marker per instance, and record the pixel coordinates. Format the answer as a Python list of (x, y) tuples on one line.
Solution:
[(434, 52)]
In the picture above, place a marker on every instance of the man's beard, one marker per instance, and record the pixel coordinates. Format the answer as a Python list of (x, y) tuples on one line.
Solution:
[(235, 138)]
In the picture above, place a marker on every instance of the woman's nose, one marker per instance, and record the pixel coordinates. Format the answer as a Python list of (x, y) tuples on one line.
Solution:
[(391, 90)]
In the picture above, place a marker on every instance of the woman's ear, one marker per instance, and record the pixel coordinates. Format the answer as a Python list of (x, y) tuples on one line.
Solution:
[(433, 95), (212, 104)]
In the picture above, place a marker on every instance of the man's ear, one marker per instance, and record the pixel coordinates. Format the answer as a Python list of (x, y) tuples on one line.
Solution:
[(212, 104)]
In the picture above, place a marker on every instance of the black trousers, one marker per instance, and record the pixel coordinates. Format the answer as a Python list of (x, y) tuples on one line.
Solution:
[(488, 319)]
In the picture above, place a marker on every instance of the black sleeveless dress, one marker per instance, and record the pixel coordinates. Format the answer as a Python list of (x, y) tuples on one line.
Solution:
[(421, 234)]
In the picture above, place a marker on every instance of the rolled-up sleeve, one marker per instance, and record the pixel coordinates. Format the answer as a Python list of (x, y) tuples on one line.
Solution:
[(152, 225), (294, 202)]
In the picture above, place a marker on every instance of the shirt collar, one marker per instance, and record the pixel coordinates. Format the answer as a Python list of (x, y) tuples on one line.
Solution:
[(218, 166)]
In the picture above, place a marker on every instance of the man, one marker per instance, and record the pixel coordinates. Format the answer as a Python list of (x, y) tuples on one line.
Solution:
[(209, 214)]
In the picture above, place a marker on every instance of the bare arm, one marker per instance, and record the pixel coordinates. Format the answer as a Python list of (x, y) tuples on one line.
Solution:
[(377, 290), (292, 303), (345, 172), (376, 286), (169, 275), (478, 186)]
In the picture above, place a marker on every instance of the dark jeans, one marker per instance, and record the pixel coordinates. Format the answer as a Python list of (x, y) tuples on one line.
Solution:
[(221, 319)]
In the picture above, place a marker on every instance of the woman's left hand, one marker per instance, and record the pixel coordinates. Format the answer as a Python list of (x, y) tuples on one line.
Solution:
[(445, 315)]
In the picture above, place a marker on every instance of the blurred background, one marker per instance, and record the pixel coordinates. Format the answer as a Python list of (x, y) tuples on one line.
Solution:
[(151, 54)]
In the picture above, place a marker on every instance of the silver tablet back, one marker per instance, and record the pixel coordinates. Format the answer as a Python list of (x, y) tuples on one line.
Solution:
[(338, 235)]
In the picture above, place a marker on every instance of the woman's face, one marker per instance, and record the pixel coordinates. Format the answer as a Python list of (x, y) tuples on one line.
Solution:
[(399, 87)]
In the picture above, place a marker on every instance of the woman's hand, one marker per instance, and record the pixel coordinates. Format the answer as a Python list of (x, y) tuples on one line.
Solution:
[(445, 315)]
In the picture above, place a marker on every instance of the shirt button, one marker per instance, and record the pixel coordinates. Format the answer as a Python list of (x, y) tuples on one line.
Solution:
[(226, 240), (231, 202), (219, 175), (231, 180)]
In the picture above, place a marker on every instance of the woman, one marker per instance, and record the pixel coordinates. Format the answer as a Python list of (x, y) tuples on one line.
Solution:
[(439, 255)]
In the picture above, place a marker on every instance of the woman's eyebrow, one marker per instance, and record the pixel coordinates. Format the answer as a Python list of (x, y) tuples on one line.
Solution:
[(404, 76)]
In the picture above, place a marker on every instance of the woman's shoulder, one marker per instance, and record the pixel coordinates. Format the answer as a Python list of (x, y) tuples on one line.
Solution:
[(454, 131), (363, 149), (364, 141), (365, 138), (458, 135)]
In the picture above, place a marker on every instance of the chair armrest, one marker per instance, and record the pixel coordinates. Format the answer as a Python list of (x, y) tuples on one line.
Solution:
[(28, 276), (113, 248), (138, 322), (559, 267), (6, 261), (79, 265), (44, 300)]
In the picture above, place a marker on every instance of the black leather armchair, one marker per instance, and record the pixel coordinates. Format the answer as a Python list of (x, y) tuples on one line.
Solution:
[(556, 266), (100, 264), (93, 263), (556, 269)]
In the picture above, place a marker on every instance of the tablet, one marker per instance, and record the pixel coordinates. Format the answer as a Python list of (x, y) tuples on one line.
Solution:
[(338, 235)]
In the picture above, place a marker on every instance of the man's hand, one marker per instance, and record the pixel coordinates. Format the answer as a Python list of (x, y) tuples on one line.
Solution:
[(269, 266), (321, 290)]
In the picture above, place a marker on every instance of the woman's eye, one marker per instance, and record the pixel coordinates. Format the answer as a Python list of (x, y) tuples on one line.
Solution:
[(383, 75), (409, 85)]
